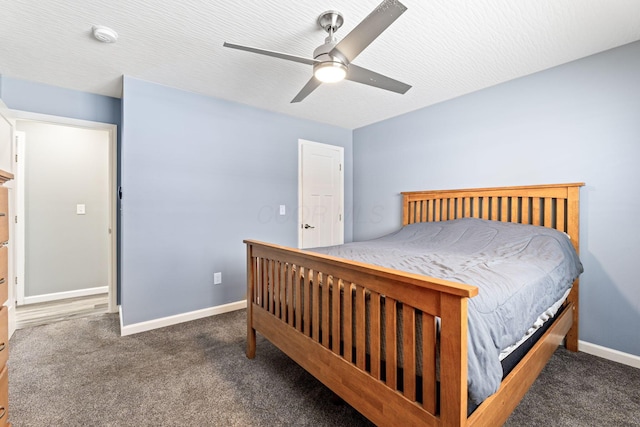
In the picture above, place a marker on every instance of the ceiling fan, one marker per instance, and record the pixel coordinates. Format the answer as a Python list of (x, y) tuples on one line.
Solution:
[(332, 60)]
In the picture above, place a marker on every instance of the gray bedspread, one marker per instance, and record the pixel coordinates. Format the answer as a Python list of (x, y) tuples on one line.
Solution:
[(520, 270)]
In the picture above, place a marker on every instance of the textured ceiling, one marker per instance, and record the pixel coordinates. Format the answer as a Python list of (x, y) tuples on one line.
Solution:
[(443, 48)]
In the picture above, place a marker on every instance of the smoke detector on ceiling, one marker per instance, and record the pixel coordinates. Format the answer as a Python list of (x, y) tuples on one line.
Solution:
[(104, 34)]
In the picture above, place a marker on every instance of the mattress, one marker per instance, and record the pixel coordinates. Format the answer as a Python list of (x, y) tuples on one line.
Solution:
[(521, 272)]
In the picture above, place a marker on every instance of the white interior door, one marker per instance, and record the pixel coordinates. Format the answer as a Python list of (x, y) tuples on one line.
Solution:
[(321, 198)]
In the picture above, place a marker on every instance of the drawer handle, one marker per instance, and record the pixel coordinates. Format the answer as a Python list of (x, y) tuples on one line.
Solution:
[(3, 411), (2, 347), (2, 280), (3, 214)]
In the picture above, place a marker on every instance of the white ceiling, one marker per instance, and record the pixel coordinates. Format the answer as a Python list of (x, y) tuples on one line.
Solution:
[(443, 48)]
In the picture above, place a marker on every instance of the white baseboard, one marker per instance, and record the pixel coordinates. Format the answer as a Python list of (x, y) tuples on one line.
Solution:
[(178, 318), (12, 319), (64, 295), (609, 354)]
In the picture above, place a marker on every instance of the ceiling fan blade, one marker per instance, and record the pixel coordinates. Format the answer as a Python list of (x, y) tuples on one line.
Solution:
[(371, 78), (274, 54), (368, 30), (311, 85)]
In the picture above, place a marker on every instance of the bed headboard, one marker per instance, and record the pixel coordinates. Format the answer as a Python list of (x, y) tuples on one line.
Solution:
[(553, 205)]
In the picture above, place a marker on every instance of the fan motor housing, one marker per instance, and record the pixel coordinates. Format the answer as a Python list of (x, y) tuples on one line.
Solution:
[(323, 53)]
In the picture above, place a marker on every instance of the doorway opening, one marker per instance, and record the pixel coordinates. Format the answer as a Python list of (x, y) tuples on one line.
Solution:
[(65, 245)]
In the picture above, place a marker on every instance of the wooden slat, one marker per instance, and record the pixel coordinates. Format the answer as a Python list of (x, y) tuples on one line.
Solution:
[(391, 344), (467, 207), (475, 207), (335, 309), (290, 291), (524, 212), (326, 309), (485, 207), (273, 286), (315, 305), (437, 208), (264, 282), (299, 286), (306, 311), (561, 224), (276, 288), (347, 324), (429, 383), (283, 291), (535, 211), (360, 328), (374, 335), (548, 212), (459, 207), (423, 217), (504, 209), (418, 214), (445, 209), (495, 214), (515, 209), (409, 351)]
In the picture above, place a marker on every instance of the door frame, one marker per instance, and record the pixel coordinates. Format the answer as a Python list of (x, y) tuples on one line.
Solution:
[(301, 143), (112, 129)]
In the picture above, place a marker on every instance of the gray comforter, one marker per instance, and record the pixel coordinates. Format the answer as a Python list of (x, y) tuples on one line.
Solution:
[(520, 270)]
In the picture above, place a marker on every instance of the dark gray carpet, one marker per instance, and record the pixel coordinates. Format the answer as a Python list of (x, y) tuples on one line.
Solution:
[(80, 372)]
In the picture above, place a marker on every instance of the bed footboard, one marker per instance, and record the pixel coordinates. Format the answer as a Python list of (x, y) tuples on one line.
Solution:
[(354, 327)]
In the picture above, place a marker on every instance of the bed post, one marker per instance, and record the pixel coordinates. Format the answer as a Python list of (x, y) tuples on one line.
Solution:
[(405, 210), (453, 360), (251, 332), (573, 230)]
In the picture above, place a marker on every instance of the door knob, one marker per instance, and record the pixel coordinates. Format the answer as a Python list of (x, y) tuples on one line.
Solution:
[(307, 226)]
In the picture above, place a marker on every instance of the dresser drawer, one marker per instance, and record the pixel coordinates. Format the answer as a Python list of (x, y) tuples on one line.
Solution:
[(4, 336), (4, 396), (4, 274), (4, 214)]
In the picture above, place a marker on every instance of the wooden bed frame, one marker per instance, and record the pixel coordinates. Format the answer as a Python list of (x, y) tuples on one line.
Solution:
[(295, 301)]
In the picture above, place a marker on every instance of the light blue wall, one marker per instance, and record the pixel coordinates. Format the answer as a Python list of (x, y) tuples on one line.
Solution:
[(199, 175), (576, 122), (40, 98)]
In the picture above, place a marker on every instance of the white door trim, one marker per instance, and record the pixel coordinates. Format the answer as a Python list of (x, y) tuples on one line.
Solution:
[(10, 303), (19, 150), (113, 185), (340, 149)]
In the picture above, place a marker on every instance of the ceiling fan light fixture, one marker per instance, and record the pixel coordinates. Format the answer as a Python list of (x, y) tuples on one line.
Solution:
[(330, 71)]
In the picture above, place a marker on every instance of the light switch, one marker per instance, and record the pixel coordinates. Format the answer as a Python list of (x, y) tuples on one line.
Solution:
[(283, 210), (80, 209)]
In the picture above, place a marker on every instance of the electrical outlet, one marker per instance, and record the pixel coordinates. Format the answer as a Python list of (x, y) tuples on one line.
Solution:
[(217, 278)]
